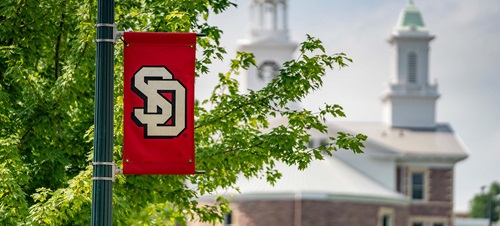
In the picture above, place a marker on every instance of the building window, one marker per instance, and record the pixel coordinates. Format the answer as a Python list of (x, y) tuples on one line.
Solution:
[(412, 67), (429, 221), (417, 185), (386, 217), (386, 220), (228, 219)]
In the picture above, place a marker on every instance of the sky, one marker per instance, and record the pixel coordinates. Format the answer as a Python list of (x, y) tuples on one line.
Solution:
[(464, 60)]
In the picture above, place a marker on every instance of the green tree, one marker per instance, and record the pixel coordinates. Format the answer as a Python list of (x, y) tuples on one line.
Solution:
[(47, 72), (487, 203)]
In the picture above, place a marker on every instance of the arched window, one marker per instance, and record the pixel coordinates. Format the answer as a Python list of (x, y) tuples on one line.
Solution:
[(269, 16), (412, 67)]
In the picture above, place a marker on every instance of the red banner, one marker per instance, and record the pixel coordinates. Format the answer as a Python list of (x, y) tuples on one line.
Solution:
[(159, 103)]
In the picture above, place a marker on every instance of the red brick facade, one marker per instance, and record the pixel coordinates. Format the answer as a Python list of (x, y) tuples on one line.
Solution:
[(312, 212), (264, 213), (441, 185), (337, 213)]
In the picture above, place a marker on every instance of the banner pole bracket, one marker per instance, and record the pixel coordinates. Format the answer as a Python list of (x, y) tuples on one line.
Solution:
[(116, 34)]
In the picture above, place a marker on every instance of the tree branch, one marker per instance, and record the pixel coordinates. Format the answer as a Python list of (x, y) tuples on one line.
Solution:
[(58, 42), (235, 109)]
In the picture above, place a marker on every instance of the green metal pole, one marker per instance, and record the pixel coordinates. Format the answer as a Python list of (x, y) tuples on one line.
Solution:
[(102, 189)]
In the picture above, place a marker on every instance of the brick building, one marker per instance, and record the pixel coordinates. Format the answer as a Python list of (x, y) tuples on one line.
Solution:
[(405, 176)]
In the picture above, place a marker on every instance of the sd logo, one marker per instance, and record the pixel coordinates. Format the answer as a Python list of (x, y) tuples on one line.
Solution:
[(161, 117)]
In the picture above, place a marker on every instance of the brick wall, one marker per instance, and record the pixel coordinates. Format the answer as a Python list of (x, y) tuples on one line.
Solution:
[(439, 202), (328, 213), (441, 185), (312, 212), (431, 209), (347, 213), (256, 213)]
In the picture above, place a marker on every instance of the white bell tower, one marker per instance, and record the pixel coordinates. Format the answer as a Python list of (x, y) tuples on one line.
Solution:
[(410, 100), (268, 41)]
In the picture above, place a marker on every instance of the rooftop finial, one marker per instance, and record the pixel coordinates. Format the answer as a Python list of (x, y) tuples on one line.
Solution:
[(411, 2)]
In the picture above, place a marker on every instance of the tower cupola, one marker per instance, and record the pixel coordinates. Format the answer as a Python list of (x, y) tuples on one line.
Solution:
[(268, 42), (268, 19), (410, 99)]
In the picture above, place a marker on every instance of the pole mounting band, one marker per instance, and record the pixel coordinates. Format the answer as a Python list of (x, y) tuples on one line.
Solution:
[(104, 178), (102, 163), (104, 25), (104, 40), (116, 34), (115, 170)]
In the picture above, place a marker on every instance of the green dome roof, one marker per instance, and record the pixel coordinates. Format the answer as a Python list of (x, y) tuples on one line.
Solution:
[(410, 18)]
